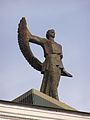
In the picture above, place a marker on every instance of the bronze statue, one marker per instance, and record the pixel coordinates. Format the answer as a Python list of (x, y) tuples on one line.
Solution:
[(52, 68)]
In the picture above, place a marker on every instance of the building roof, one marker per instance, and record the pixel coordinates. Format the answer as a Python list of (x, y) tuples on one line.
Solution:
[(36, 105), (11, 103)]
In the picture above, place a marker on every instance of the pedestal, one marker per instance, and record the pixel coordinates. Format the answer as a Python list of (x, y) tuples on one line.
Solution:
[(34, 97)]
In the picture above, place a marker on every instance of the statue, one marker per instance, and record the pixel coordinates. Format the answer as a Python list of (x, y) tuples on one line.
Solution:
[(52, 68)]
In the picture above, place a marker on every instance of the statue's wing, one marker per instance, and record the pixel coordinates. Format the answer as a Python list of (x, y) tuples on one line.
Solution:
[(23, 40)]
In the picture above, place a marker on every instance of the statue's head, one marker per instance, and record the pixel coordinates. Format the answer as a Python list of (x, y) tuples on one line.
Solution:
[(50, 34)]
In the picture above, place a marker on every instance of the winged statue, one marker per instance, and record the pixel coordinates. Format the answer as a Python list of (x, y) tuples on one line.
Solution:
[(52, 68)]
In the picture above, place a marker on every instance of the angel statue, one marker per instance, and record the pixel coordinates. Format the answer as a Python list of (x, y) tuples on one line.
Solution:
[(52, 68)]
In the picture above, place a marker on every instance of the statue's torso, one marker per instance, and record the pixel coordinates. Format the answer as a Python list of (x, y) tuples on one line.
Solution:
[(51, 47), (52, 53)]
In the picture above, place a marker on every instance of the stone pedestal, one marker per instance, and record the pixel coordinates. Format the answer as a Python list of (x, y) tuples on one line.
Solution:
[(34, 97)]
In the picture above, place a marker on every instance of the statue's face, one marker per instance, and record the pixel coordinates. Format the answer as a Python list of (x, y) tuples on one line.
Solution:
[(52, 33)]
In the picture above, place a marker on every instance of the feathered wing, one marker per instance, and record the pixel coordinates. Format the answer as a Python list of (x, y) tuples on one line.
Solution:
[(23, 40)]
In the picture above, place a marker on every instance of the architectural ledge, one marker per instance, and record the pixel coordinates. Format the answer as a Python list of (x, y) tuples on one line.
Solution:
[(18, 111)]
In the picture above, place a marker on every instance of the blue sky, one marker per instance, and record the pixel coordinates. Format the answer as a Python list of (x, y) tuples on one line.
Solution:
[(71, 21)]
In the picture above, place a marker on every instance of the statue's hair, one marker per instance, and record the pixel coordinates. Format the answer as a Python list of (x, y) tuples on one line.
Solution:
[(48, 33)]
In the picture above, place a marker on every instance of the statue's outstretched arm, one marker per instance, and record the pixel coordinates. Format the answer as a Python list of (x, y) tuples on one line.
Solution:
[(36, 39)]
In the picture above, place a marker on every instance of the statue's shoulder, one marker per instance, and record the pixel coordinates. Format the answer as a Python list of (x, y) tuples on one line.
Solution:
[(58, 44), (45, 41)]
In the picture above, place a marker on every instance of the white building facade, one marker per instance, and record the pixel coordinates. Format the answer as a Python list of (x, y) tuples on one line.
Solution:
[(17, 111)]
